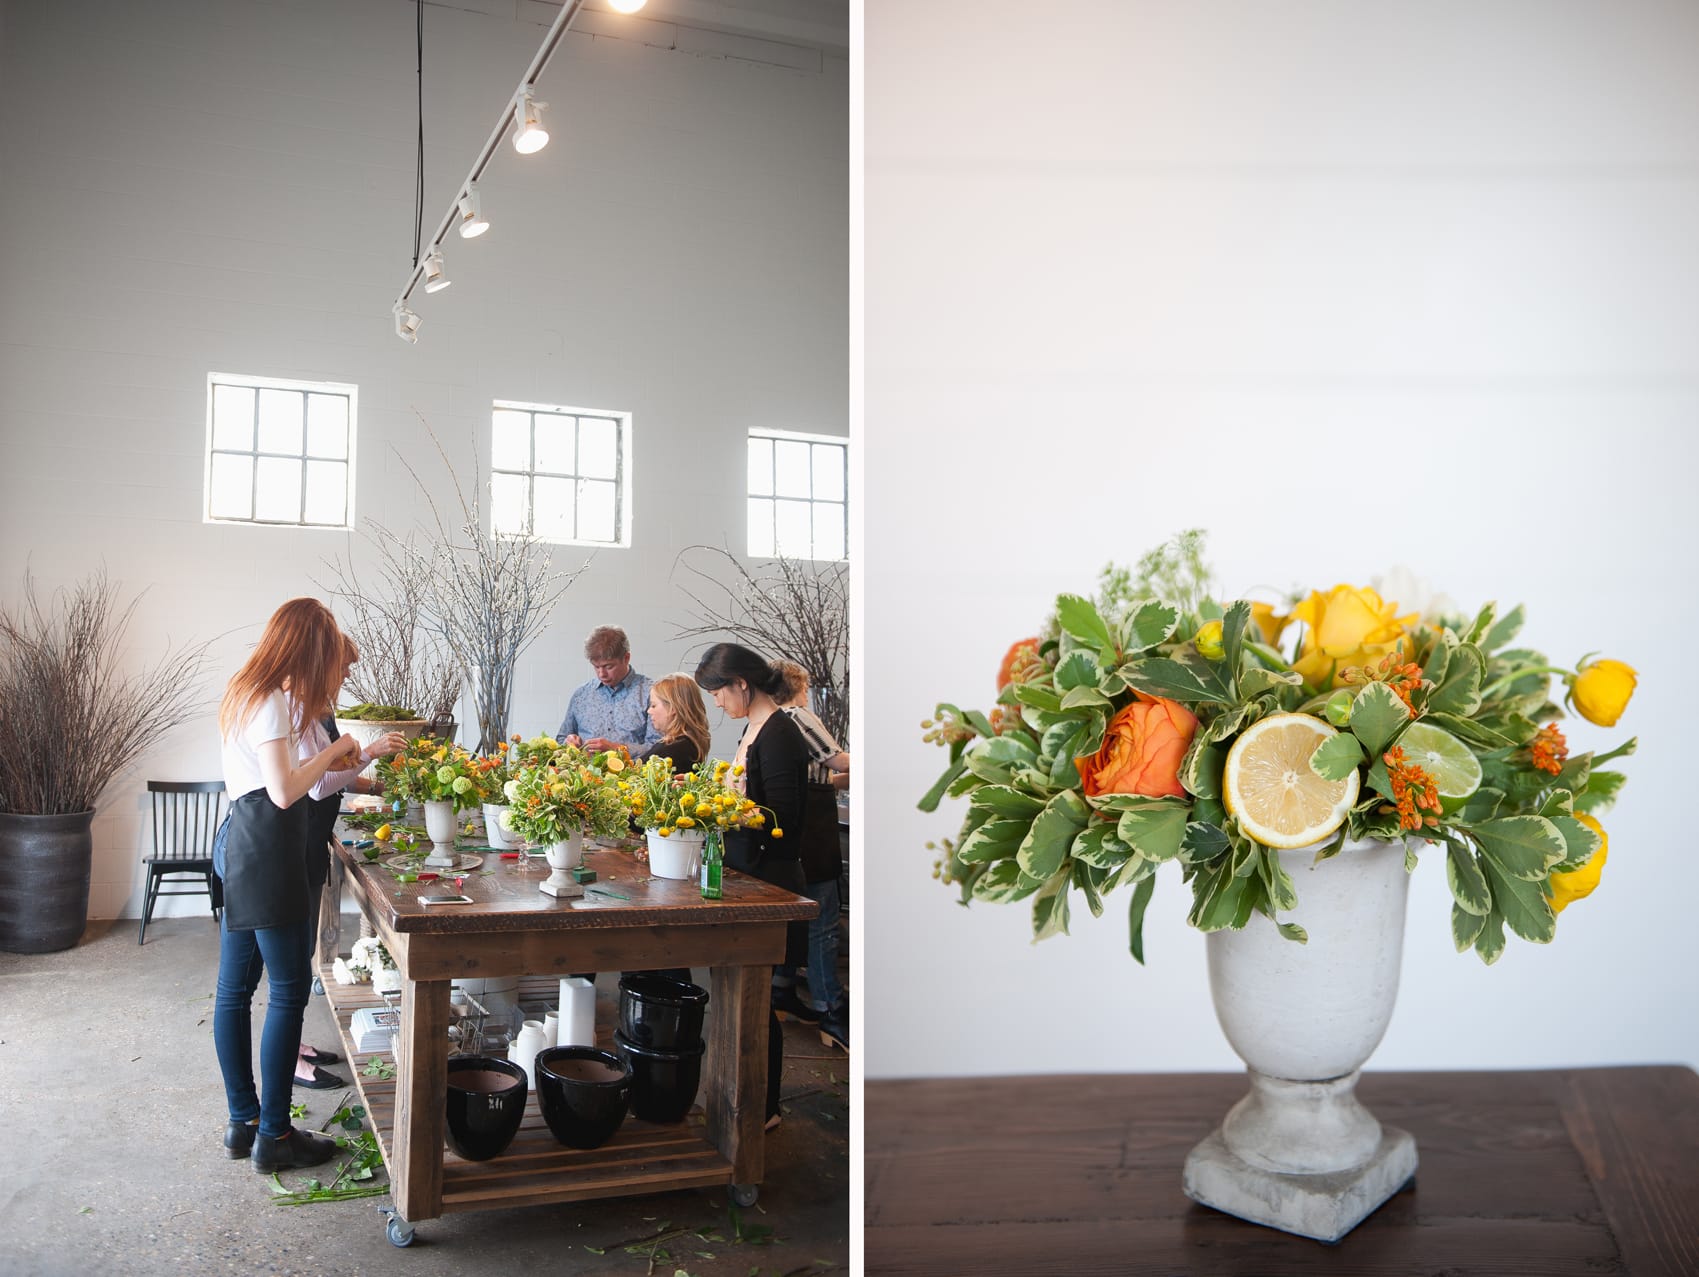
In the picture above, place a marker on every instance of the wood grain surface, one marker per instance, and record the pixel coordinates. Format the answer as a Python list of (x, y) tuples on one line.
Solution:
[(1547, 1173)]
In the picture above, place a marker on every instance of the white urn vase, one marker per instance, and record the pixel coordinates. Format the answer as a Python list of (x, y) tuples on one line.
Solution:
[(494, 832), (563, 858), (1300, 1153), (678, 855), (441, 826)]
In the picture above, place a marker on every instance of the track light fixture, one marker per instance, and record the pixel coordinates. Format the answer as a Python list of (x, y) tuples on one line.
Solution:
[(406, 323), (626, 6), (529, 135), (435, 280), (472, 220)]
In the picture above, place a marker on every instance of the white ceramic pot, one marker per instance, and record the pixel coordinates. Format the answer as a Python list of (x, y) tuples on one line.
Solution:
[(1305, 1018), (563, 857), (441, 825), (524, 1050), (678, 855), (493, 828)]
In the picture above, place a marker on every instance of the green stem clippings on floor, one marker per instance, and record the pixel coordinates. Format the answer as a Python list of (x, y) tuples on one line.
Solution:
[(364, 1161)]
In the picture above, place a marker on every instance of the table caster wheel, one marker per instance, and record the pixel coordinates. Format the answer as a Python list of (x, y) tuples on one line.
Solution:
[(318, 987), (398, 1230), (745, 1194)]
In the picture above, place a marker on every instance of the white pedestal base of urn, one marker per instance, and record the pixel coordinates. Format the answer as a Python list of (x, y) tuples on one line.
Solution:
[(441, 825), (563, 858), (1300, 1153)]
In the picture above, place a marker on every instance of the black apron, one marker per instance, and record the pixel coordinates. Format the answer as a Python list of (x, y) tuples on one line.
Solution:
[(261, 856), (820, 848)]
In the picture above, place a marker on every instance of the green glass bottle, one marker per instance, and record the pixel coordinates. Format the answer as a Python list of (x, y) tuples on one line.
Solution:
[(712, 866)]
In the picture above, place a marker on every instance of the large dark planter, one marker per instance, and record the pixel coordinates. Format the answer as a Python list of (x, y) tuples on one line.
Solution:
[(663, 1083), (44, 870), (486, 1102), (583, 1093), (659, 1012)]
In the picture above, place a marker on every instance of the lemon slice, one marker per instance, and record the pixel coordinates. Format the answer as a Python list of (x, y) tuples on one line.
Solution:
[(1269, 786), (1456, 771)]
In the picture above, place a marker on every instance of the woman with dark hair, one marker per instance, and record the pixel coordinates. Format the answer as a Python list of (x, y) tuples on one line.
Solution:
[(771, 764), (261, 856), (675, 708)]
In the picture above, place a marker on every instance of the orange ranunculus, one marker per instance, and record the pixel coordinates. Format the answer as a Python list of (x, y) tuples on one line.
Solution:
[(1141, 752), (1006, 671), (1347, 627)]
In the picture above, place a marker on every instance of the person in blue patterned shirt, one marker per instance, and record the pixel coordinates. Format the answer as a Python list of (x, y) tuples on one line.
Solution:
[(612, 709)]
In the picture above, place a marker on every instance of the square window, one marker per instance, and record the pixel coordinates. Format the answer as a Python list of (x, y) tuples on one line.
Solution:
[(798, 496), (280, 451), (566, 471)]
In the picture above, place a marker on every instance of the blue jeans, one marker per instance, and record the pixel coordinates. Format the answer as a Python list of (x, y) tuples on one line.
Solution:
[(823, 986), (285, 954)]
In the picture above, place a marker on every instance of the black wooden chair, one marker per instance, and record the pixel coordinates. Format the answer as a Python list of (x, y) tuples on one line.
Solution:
[(186, 815)]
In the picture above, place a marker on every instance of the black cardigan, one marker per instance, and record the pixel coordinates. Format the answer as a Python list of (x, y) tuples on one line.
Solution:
[(682, 751), (776, 771)]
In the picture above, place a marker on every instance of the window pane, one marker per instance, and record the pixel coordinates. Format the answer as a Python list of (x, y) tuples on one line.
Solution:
[(233, 417), (793, 529), (598, 448), (761, 467), (828, 472), (553, 514), (280, 421), (327, 427), (327, 492), (232, 495), (507, 503), (596, 511), (760, 528), (554, 443), (277, 494), (510, 440), (828, 530), (790, 465)]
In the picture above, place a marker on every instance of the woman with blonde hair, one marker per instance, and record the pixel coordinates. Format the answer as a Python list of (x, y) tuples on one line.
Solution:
[(675, 708), (288, 681)]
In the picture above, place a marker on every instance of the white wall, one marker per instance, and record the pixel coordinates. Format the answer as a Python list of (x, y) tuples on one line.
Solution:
[(1350, 286), (194, 187)]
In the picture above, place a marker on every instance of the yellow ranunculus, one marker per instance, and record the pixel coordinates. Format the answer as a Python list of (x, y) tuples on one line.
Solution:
[(1602, 690), (1347, 626), (1567, 888), (1208, 641), (1270, 625), (685, 822)]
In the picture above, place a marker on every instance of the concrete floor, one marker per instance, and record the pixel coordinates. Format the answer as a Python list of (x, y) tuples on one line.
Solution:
[(111, 1113)]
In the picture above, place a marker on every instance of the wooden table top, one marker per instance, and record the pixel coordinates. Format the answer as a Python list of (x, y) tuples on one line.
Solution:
[(505, 897), (1547, 1173)]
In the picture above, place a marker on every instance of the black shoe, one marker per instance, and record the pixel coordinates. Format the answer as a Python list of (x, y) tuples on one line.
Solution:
[(239, 1138), (313, 1055), (791, 1007), (291, 1152), (321, 1081), (834, 1031)]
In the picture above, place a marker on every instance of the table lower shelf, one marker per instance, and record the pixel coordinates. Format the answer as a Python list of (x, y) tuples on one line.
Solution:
[(642, 1157)]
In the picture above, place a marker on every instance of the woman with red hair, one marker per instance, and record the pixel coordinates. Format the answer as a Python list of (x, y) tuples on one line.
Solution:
[(288, 681)]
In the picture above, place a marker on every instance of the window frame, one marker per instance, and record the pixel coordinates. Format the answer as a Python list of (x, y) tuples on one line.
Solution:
[(245, 381), (622, 480), (840, 442)]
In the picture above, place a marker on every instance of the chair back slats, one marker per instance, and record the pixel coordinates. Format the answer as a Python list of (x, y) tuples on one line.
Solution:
[(185, 818)]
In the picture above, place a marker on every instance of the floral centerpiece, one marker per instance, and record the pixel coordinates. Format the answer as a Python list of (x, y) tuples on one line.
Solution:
[(1138, 730), (697, 800), (548, 800), (432, 770)]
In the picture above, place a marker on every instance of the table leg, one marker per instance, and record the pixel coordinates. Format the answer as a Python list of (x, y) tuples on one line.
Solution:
[(421, 1082), (736, 1071)]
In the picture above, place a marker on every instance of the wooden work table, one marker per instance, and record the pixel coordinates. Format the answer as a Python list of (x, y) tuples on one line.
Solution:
[(514, 929), (1549, 1173)]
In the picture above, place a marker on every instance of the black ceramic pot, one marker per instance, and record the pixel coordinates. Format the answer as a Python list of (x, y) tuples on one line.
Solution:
[(663, 1083), (659, 1012), (486, 1102), (44, 862), (583, 1093)]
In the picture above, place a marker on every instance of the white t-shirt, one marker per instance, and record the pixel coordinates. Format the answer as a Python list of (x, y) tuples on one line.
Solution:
[(241, 752)]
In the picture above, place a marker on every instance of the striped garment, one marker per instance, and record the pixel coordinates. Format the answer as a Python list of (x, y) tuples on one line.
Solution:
[(820, 744)]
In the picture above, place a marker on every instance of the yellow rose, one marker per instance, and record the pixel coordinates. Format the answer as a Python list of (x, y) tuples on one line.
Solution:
[(1270, 625), (1570, 887), (1347, 626), (1601, 692)]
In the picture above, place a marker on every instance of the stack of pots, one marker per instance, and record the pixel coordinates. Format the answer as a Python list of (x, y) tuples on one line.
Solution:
[(660, 1037)]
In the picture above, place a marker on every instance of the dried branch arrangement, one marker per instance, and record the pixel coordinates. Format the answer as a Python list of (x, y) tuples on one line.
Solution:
[(71, 716), (796, 609), (489, 596), (403, 661)]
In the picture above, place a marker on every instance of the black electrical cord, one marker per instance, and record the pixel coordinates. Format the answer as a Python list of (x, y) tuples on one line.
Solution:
[(419, 172)]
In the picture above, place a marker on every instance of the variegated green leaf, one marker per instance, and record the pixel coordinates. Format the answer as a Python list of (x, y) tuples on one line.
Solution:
[(1089, 879), (1079, 669), (1465, 927), (1468, 885), (936, 794), (1580, 843), (1038, 697), (1080, 618), (1053, 830), (1000, 800), (1377, 715), (1293, 932), (1050, 913), (1203, 842), (1276, 882), (1522, 847), (1490, 942), (1337, 756), (1147, 625), (1460, 694), (1155, 827), (1097, 845), (1001, 884), (994, 840), (1526, 910), (1135, 917)]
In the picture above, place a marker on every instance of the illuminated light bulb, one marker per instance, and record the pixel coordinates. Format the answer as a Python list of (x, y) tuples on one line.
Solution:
[(435, 280), (529, 134), (626, 6), (472, 220)]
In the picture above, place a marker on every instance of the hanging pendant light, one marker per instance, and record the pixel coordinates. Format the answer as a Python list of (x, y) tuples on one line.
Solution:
[(529, 135)]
